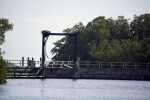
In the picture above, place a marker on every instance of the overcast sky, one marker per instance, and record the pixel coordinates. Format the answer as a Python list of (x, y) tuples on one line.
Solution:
[(30, 17)]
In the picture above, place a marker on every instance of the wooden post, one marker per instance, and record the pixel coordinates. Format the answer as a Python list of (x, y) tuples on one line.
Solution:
[(40, 61), (28, 61), (32, 62), (22, 61)]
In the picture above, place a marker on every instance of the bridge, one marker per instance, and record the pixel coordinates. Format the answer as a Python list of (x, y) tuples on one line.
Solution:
[(86, 69), (76, 69)]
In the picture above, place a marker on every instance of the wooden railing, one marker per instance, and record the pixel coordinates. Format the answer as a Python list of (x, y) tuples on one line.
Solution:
[(23, 63), (23, 68)]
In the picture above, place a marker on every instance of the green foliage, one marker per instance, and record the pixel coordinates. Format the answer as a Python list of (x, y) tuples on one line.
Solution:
[(140, 26), (3, 71), (108, 40), (4, 27)]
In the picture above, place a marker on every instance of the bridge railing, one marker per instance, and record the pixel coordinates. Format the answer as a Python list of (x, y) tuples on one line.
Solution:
[(96, 64), (83, 64), (59, 64), (125, 65)]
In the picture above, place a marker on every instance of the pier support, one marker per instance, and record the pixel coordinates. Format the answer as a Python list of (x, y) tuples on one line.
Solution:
[(77, 69)]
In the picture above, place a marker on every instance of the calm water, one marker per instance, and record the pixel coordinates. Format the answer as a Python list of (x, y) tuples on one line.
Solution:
[(67, 89)]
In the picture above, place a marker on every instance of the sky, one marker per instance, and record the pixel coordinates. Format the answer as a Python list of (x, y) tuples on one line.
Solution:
[(30, 17)]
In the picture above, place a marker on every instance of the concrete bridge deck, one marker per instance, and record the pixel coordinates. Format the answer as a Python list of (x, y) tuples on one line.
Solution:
[(85, 70)]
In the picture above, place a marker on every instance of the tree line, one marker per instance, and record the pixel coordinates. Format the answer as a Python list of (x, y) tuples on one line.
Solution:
[(108, 39)]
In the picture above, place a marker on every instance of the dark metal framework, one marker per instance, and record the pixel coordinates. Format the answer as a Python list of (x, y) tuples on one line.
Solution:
[(45, 35)]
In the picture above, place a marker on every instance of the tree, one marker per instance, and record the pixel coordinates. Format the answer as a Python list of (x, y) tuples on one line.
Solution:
[(4, 27), (140, 26), (108, 40)]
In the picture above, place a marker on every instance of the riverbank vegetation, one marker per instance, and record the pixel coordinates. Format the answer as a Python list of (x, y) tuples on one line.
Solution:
[(3, 71), (108, 39), (4, 27)]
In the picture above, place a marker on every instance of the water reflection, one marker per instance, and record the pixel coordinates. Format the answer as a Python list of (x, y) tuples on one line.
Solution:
[(67, 89), (42, 92)]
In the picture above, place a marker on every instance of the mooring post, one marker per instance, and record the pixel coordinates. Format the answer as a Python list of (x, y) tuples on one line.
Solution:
[(22, 61), (32, 62), (28, 61)]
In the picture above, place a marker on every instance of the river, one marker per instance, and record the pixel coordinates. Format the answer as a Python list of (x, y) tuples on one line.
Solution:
[(68, 89)]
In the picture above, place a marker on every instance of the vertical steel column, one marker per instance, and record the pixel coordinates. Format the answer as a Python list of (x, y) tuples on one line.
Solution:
[(75, 57), (75, 47), (44, 39), (43, 53)]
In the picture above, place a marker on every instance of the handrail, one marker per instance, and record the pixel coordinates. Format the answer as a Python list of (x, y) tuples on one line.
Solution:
[(22, 63), (96, 64), (88, 64)]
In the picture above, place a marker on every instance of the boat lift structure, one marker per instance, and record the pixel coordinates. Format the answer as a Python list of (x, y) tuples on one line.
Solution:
[(45, 35)]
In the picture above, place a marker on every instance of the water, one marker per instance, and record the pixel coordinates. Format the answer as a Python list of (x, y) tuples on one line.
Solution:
[(67, 89)]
